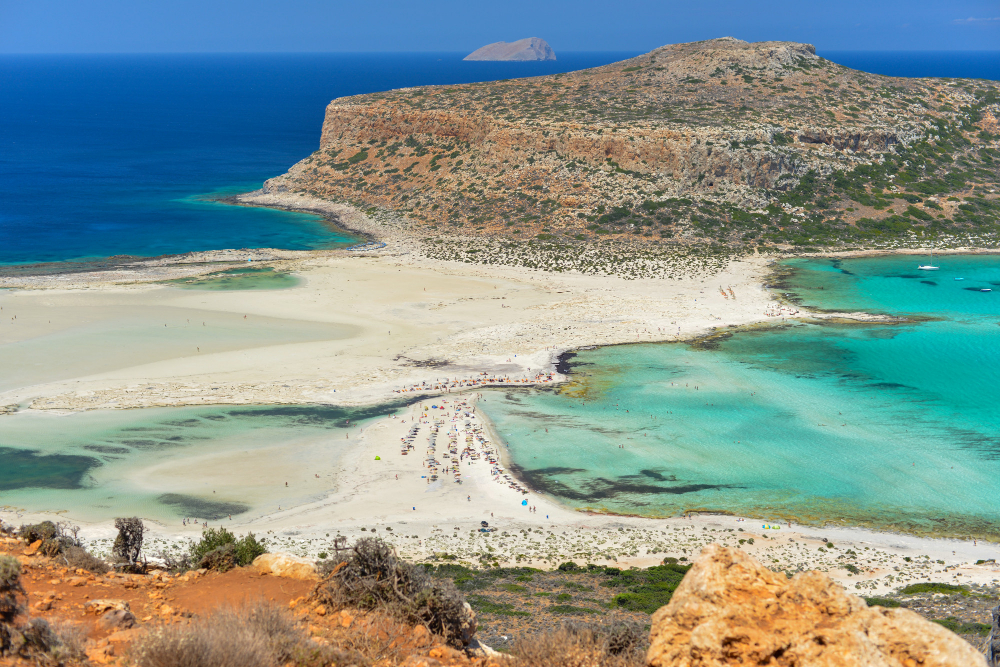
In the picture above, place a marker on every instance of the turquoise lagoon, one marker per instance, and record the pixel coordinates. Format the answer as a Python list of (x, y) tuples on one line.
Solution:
[(203, 462), (893, 426)]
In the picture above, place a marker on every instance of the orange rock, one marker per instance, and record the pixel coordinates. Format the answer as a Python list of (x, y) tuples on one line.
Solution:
[(124, 636), (77, 581), (445, 653), (321, 610), (346, 619), (419, 635), (32, 548), (286, 565), (730, 610)]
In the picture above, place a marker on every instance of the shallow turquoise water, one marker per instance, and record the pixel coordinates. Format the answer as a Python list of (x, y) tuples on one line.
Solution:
[(883, 425), (246, 278), (166, 463)]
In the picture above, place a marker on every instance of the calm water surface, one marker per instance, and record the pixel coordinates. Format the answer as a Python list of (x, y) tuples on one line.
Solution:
[(884, 425)]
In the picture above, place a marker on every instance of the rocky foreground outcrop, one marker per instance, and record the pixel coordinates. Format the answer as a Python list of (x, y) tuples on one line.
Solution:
[(731, 610), (530, 48)]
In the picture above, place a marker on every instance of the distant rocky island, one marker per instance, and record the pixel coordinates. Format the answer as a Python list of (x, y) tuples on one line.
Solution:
[(531, 48)]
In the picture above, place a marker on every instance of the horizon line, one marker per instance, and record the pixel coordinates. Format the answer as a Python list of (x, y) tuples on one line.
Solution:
[(425, 52)]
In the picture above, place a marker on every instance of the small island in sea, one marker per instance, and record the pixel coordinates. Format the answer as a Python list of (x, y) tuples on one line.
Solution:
[(530, 48), (439, 373)]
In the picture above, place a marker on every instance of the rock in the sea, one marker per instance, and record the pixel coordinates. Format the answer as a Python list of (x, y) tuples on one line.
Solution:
[(285, 565), (531, 48), (730, 609)]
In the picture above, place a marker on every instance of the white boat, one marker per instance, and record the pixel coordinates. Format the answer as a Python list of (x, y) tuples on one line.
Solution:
[(928, 267)]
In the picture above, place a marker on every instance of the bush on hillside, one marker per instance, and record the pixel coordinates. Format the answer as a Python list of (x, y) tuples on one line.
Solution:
[(220, 550), (614, 643), (127, 549), (371, 576), (34, 639), (62, 544), (10, 589), (259, 634)]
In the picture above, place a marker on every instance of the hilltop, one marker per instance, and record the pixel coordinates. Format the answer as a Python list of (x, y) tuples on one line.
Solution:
[(750, 145)]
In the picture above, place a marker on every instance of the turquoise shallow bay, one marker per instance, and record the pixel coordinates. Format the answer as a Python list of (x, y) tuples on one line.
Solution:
[(890, 426)]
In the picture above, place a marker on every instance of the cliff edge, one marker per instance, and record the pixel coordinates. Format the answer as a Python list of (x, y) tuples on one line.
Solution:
[(531, 48), (760, 144)]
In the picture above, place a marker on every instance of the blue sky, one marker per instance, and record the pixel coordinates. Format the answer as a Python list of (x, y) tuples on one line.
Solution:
[(108, 26)]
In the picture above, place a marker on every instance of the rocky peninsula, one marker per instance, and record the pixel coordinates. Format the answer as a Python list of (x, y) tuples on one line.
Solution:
[(756, 146)]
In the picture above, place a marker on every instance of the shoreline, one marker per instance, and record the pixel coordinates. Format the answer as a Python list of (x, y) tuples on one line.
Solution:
[(360, 506), (408, 320)]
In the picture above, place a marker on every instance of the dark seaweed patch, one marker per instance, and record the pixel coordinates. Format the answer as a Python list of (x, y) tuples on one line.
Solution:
[(194, 506), (23, 469), (107, 449), (324, 415), (929, 282), (599, 488), (652, 474)]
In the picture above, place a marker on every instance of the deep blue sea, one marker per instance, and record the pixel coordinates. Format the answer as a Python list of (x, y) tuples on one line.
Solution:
[(949, 64), (121, 154)]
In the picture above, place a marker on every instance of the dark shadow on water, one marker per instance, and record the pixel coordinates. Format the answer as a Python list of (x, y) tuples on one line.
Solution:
[(107, 449), (598, 488), (23, 469), (200, 508)]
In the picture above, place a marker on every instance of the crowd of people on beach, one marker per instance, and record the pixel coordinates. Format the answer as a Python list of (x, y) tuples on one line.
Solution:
[(777, 310), (484, 380), (458, 419)]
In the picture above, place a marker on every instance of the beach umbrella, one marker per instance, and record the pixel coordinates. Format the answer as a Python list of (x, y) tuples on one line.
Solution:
[(524, 502), (378, 458)]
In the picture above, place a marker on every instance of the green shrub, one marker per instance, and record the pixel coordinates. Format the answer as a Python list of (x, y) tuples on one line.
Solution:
[(570, 609), (947, 589), (10, 588), (882, 602), (46, 530), (647, 590), (220, 550), (963, 627), (568, 566), (486, 606)]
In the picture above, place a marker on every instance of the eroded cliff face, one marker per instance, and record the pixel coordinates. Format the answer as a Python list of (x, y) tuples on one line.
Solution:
[(714, 126)]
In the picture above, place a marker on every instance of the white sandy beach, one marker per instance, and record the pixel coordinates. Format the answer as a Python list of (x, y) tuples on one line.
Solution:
[(359, 330)]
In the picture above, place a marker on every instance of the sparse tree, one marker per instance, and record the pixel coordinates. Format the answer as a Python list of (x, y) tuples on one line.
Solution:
[(128, 545)]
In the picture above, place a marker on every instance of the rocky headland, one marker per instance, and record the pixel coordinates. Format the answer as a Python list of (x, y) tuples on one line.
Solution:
[(754, 146), (530, 48)]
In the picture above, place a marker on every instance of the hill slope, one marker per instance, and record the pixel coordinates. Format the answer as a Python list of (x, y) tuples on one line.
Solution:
[(746, 144)]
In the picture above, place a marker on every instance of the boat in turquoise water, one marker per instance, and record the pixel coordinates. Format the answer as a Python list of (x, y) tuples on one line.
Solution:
[(891, 426)]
